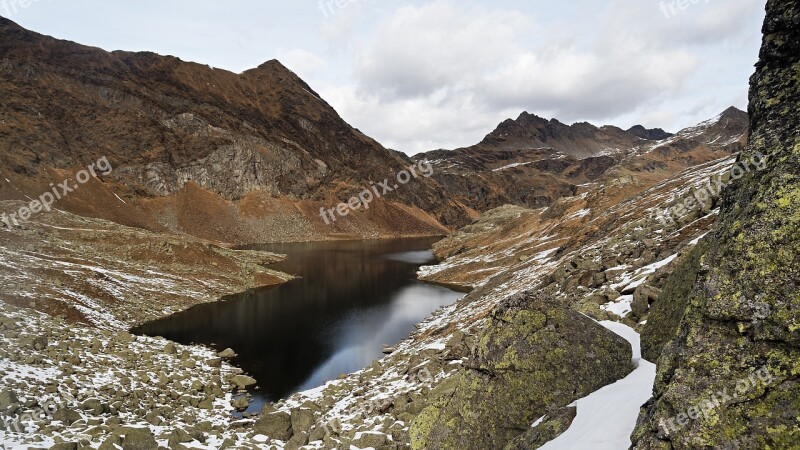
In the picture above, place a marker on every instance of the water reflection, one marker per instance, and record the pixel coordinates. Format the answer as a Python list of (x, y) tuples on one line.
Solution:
[(353, 298)]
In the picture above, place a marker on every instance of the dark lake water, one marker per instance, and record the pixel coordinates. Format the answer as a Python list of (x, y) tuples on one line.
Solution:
[(352, 299)]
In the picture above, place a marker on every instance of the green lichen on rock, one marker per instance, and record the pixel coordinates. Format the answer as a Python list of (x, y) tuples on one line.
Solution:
[(665, 315), (552, 426), (736, 349), (534, 355)]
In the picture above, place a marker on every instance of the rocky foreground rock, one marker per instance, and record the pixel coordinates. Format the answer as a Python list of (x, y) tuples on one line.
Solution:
[(536, 354), (728, 374)]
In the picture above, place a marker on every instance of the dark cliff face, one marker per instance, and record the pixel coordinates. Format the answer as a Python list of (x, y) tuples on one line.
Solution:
[(164, 123), (729, 376)]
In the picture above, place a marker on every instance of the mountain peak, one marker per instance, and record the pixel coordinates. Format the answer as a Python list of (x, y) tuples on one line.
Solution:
[(734, 113), (654, 134), (273, 64)]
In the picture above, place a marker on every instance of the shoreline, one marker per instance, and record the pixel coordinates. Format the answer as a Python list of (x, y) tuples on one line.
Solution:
[(230, 272)]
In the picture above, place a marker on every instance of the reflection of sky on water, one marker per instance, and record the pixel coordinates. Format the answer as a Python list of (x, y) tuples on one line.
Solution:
[(352, 298), (421, 257), (362, 335)]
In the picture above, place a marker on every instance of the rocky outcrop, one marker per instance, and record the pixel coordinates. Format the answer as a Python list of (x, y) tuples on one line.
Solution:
[(666, 313), (552, 425), (535, 354), (729, 377)]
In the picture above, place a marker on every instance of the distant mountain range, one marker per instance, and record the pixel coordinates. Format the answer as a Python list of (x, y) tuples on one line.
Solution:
[(252, 157), (532, 161)]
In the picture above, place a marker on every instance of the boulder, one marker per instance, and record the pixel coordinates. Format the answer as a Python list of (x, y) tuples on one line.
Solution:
[(302, 420), (240, 403), (277, 425), (297, 441), (643, 297), (369, 440), (94, 406), (7, 399), (170, 349), (139, 439), (65, 446), (534, 353), (66, 415), (39, 343), (243, 381), (227, 353)]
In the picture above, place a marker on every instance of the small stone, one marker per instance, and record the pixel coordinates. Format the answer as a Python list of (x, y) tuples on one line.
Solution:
[(7, 398), (277, 425), (139, 439), (227, 353), (243, 381), (302, 420), (170, 349)]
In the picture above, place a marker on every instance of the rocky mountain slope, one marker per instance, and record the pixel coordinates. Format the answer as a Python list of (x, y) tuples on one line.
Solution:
[(252, 157), (248, 157), (532, 162)]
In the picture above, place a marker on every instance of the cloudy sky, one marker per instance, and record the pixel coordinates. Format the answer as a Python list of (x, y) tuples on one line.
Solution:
[(427, 74)]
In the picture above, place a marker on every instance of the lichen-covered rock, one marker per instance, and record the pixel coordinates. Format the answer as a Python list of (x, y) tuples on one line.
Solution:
[(552, 426), (729, 376), (535, 354), (7, 399), (665, 315), (644, 296), (139, 439), (277, 425)]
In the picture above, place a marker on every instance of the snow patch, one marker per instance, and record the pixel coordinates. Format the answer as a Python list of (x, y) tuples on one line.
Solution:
[(606, 418)]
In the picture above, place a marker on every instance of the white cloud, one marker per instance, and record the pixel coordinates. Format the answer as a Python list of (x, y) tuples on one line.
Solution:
[(304, 63), (422, 74), (443, 74), (421, 50)]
